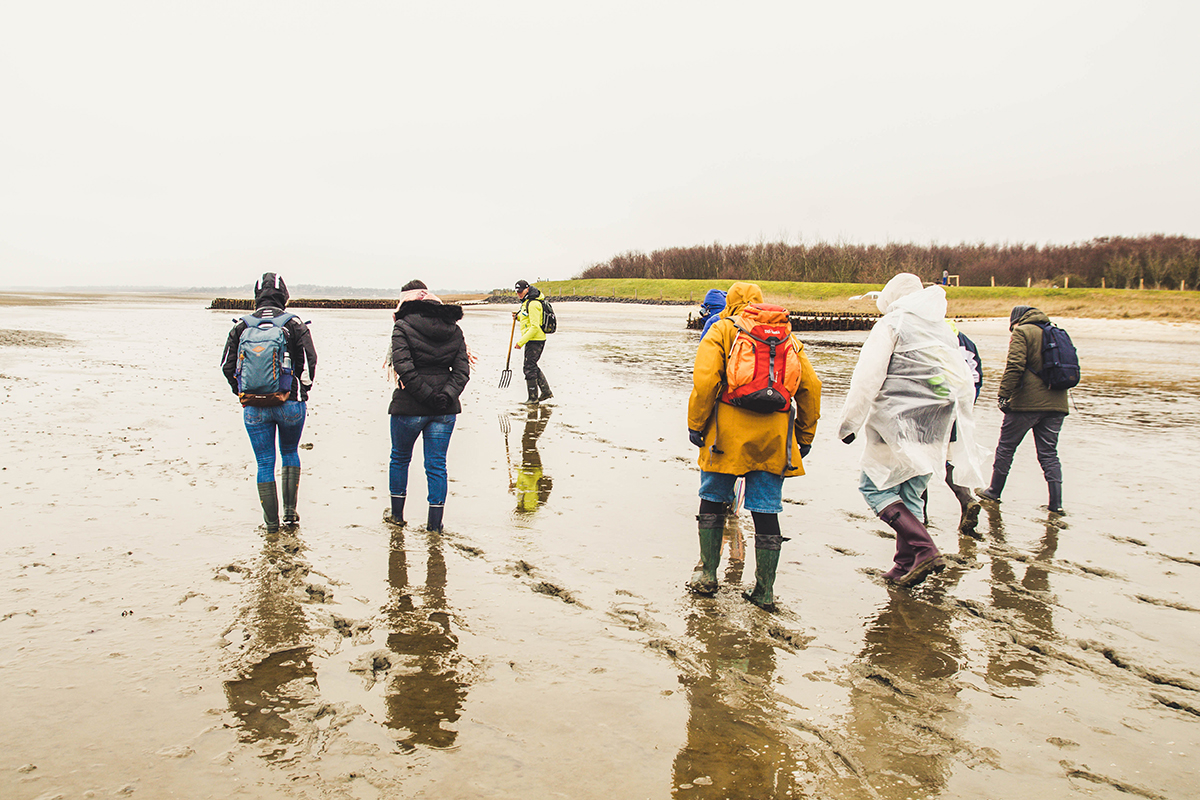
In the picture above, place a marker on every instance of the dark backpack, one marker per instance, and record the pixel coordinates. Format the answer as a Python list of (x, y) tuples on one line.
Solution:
[(1060, 362), (264, 365), (549, 318)]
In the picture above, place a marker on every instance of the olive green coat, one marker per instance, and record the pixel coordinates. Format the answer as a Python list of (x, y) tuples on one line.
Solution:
[(1020, 384)]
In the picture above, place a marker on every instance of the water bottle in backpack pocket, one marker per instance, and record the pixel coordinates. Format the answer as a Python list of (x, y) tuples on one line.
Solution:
[(264, 365), (1060, 362)]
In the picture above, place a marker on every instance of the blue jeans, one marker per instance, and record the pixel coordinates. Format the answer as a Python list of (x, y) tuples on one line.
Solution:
[(261, 422), (910, 492), (764, 491), (436, 432)]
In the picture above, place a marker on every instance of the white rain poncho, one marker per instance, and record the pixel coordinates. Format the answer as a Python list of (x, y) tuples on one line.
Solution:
[(910, 386)]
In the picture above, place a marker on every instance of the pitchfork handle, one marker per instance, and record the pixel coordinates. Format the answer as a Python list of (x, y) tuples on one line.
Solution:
[(513, 330)]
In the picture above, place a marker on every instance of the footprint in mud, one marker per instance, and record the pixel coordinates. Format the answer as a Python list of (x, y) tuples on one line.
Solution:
[(542, 587), (791, 639), (635, 616), (318, 594), (843, 551), (474, 552), (1166, 603)]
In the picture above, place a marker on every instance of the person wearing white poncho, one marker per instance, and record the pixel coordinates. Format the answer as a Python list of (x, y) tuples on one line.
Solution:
[(909, 388)]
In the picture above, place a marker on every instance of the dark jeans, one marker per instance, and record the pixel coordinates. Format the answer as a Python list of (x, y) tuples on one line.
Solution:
[(1045, 427), (533, 351), (435, 441), (262, 422)]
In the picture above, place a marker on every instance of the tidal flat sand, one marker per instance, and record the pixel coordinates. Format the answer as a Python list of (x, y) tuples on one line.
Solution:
[(154, 641)]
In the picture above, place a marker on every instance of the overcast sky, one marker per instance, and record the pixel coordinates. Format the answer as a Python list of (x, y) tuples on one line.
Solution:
[(472, 143)]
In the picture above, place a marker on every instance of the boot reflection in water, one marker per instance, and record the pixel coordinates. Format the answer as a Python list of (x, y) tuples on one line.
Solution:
[(532, 485), (425, 697)]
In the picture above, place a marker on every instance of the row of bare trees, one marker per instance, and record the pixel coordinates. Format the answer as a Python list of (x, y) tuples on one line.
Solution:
[(1159, 261)]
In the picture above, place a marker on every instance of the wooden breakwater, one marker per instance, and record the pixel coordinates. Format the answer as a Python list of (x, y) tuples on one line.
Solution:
[(815, 321)]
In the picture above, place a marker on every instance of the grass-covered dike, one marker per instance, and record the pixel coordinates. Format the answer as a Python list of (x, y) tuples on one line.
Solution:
[(965, 301)]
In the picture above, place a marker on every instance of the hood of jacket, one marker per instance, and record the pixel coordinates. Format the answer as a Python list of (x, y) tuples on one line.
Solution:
[(905, 293), (1027, 316), (714, 301), (532, 294), (434, 322), (739, 296), (270, 291)]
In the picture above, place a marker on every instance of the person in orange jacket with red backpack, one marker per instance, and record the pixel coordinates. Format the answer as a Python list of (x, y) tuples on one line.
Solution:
[(753, 413)]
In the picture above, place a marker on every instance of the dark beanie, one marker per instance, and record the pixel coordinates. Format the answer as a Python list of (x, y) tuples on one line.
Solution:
[(1017, 313)]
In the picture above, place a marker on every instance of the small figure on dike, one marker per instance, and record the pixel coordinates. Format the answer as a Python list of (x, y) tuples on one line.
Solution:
[(1028, 405), (272, 347), (910, 386), (430, 365), (533, 340), (764, 447)]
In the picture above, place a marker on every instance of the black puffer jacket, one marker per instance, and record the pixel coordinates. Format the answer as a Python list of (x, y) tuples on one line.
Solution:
[(270, 298), (429, 355)]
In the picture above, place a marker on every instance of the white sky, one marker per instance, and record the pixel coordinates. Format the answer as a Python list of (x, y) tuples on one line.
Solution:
[(471, 143)]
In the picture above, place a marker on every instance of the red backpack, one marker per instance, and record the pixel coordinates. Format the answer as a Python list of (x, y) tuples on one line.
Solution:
[(762, 368)]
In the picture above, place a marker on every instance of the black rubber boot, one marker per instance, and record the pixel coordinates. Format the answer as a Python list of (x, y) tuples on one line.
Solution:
[(532, 387), (395, 516), (544, 388), (968, 505), (711, 528), (992, 492), (435, 518), (1056, 505), (291, 486), (270, 505)]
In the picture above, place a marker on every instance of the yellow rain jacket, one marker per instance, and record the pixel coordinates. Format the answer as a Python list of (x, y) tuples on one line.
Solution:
[(736, 440), (530, 318)]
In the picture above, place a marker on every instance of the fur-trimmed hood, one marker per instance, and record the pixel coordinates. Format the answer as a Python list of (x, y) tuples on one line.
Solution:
[(428, 308)]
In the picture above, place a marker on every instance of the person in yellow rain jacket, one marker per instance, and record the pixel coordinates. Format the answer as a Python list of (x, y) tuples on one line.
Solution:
[(533, 340), (734, 440)]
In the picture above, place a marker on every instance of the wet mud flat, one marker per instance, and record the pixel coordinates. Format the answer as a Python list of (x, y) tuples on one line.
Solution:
[(155, 642)]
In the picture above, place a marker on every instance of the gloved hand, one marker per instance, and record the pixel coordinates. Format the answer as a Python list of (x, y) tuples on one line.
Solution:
[(848, 439), (696, 437), (805, 449), (442, 402), (1003, 402)]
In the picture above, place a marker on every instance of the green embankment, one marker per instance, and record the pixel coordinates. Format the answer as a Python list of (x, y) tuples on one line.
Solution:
[(965, 301)]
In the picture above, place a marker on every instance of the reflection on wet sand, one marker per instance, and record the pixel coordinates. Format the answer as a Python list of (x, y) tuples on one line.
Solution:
[(1027, 602), (274, 685), (734, 746), (424, 689), (532, 486)]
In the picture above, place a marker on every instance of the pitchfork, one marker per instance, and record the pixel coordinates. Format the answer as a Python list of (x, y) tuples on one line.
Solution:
[(506, 375)]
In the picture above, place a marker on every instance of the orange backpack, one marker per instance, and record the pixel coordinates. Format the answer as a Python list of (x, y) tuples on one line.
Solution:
[(762, 368)]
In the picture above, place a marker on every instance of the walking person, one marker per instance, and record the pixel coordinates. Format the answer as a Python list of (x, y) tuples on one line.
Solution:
[(1028, 405), (739, 437), (533, 340), (270, 363), (910, 386), (969, 507), (431, 365)]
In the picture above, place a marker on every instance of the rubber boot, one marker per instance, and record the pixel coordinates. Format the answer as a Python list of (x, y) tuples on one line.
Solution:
[(967, 503), (291, 485), (395, 516), (992, 492), (532, 386), (1056, 505), (270, 505), (704, 579), (435, 518), (916, 554), (544, 387), (766, 562)]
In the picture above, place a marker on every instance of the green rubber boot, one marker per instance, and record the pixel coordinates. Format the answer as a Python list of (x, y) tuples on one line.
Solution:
[(766, 562), (270, 506), (291, 486), (704, 579)]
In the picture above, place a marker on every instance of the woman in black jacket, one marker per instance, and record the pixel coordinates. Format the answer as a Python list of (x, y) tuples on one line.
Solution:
[(429, 359)]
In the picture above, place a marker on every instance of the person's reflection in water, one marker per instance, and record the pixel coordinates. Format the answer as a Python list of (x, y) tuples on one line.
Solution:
[(532, 484), (735, 746), (278, 677), (904, 695), (1026, 602), (425, 691)]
